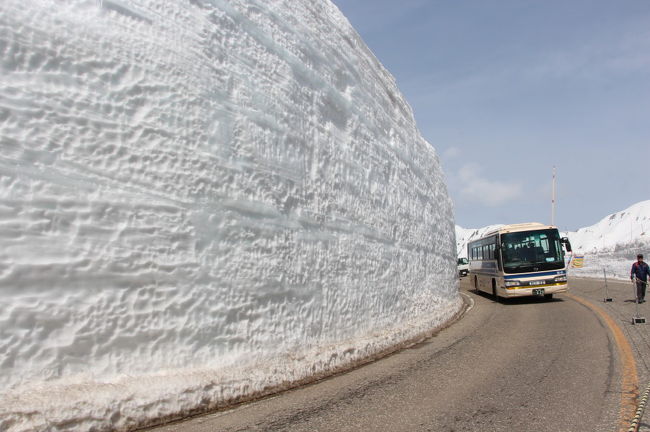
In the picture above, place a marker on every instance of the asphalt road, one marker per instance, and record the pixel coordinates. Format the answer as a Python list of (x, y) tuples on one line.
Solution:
[(622, 311), (530, 365)]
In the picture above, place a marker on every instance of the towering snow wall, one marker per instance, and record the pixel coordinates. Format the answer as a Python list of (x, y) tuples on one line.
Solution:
[(201, 200)]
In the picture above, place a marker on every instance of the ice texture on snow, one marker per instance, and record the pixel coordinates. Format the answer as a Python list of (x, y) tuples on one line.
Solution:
[(200, 201)]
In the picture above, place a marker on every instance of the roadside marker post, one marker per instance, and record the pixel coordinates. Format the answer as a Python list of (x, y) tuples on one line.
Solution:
[(607, 297), (636, 319)]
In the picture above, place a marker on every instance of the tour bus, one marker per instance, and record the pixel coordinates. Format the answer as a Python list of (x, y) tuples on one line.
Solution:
[(519, 260)]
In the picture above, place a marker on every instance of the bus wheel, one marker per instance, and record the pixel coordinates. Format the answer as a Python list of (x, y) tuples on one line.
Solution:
[(494, 290), (548, 296)]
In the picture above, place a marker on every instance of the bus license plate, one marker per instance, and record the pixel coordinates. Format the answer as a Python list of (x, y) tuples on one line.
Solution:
[(538, 292)]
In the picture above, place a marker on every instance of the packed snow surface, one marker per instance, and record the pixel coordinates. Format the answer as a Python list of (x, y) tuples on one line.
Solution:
[(201, 201)]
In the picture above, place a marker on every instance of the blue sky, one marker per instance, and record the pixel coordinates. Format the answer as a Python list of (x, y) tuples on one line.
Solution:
[(505, 90)]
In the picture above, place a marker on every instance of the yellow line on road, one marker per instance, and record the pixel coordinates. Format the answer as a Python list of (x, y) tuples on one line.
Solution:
[(629, 381)]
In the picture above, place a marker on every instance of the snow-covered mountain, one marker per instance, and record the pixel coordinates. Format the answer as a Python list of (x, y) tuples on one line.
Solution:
[(200, 201), (466, 235), (629, 228), (611, 244)]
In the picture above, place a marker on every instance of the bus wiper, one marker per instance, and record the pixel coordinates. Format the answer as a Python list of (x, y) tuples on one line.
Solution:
[(516, 266)]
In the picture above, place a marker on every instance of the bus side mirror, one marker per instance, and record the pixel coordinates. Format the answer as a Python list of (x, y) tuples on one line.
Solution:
[(566, 243)]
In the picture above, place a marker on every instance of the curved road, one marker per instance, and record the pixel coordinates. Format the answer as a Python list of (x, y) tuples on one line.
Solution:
[(529, 364)]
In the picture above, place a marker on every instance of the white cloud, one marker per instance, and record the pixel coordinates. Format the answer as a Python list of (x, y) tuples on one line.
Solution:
[(488, 192), (452, 153)]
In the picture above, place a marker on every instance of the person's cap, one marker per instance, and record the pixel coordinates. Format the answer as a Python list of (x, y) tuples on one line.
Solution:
[(640, 256)]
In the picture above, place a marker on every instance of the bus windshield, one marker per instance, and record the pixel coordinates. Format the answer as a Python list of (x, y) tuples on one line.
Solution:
[(529, 251)]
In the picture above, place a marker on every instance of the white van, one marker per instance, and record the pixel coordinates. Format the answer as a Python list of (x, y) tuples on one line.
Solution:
[(463, 267)]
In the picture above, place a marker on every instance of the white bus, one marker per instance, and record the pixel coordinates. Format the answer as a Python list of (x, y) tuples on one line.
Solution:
[(519, 260)]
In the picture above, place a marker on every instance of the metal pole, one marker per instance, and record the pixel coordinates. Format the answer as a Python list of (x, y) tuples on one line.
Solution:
[(636, 319), (553, 200), (607, 298)]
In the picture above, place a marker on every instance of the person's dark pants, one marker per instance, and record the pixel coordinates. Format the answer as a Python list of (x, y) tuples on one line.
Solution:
[(640, 289)]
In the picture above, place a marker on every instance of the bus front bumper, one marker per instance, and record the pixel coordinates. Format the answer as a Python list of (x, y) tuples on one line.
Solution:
[(529, 291)]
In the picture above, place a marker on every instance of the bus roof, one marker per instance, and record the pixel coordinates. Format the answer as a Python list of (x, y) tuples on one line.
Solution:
[(519, 227)]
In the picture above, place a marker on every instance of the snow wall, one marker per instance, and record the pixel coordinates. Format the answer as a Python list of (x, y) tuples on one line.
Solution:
[(199, 201)]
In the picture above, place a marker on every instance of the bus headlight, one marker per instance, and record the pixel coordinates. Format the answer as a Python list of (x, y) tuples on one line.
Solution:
[(512, 283), (560, 279)]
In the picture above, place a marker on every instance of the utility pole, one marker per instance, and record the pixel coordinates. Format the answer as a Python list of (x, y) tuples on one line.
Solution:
[(553, 199)]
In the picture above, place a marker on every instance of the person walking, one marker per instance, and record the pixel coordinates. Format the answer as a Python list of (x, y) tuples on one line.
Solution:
[(639, 272)]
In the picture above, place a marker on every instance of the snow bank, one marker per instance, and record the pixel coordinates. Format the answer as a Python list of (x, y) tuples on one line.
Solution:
[(200, 201)]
